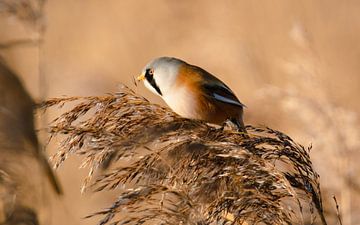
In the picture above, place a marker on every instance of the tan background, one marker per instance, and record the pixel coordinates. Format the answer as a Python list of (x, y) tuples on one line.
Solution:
[(295, 64)]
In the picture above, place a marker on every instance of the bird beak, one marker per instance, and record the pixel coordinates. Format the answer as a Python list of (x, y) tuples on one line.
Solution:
[(141, 77)]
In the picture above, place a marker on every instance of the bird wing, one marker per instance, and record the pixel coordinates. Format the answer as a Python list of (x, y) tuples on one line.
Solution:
[(222, 93), (213, 87)]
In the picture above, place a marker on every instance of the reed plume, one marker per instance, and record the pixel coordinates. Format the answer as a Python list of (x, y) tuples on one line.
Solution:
[(172, 170)]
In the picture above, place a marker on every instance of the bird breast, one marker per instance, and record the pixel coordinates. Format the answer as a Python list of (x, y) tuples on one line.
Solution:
[(183, 102)]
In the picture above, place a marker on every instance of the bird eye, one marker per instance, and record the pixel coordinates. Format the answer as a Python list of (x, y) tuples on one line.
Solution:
[(149, 75)]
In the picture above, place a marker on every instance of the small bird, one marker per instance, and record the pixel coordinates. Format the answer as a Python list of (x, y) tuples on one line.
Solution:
[(192, 92)]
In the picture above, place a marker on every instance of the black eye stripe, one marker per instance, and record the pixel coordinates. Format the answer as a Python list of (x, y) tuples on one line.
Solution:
[(150, 78), (148, 74)]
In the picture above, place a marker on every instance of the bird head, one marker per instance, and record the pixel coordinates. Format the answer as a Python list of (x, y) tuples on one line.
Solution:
[(160, 75)]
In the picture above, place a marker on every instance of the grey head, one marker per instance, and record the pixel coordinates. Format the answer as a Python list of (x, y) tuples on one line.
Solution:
[(160, 74)]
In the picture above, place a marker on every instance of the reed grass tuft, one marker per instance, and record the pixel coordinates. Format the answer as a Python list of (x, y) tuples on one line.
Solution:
[(172, 170)]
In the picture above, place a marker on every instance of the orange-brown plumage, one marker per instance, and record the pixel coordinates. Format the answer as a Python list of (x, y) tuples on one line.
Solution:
[(206, 108), (192, 92)]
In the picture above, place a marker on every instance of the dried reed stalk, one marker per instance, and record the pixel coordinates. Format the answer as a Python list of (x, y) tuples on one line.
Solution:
[(171, 170), (23, 166)]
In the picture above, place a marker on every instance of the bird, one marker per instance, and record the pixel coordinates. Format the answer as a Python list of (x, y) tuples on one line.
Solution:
[(192, 92)]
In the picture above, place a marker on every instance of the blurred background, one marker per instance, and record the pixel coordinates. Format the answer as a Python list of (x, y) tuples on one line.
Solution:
[(295, 64)]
